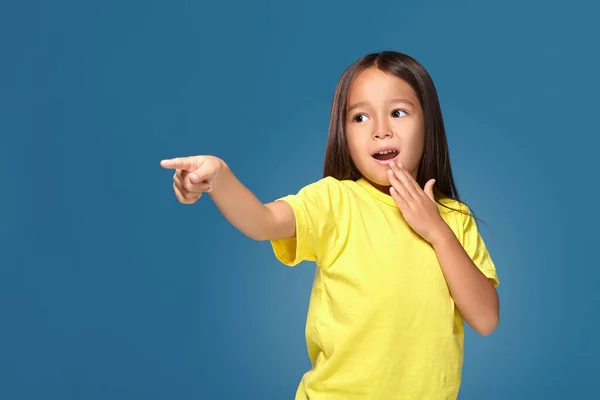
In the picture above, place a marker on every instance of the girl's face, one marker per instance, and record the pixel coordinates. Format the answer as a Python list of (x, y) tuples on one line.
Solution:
[(384, 122)]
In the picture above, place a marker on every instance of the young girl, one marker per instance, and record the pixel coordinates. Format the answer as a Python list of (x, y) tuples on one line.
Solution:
[(400, 261)]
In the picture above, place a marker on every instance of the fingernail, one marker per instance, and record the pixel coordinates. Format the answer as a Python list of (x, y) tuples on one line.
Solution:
[(193, 177)]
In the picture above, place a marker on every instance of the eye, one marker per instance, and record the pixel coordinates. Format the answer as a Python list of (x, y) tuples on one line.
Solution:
[(360, 118), (399, 113)]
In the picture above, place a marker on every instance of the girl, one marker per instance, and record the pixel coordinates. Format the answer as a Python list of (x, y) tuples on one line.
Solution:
[(400, 261)]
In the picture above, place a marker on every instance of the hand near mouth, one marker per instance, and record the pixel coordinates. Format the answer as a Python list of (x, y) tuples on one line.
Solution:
[(418, 206)]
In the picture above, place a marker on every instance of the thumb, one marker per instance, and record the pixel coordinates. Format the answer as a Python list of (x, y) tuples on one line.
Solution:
[(200, 173), (429, 189)]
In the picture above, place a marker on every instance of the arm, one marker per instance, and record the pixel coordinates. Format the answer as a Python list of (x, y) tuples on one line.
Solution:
[(473, 293), (196, 175), (248, 214)]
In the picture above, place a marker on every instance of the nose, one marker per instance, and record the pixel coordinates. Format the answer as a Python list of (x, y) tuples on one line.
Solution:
[(382, 131)]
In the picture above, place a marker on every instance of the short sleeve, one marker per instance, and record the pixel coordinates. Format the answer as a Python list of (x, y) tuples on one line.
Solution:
[(318, 233), (474, 245)]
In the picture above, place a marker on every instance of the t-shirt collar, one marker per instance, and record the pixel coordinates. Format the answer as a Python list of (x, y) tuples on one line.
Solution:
[(373, 191)]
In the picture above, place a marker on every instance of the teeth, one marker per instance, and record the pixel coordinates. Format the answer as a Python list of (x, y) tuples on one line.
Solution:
[(386, 151)]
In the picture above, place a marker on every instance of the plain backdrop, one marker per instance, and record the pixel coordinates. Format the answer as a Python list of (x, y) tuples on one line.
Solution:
[(111, 289)]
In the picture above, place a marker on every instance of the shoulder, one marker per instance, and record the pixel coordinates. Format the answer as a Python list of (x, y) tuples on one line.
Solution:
[(325, 184), (328, 188), (319, 197), (456, 213), (320, 212), (453, 206)]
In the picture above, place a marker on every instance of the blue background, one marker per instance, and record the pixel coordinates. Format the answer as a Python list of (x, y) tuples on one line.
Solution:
[(111, 289)]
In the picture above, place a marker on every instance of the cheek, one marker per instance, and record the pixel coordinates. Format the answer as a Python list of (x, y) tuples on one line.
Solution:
[(414, 151), (354, 144), (412, 135)]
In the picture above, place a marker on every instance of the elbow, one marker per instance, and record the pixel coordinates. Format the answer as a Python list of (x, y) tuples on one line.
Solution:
[(489, 320), (486, 330), (488, 326)]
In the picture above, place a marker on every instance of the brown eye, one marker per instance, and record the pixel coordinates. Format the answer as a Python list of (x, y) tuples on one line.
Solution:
[(360, 118), (399, 113)]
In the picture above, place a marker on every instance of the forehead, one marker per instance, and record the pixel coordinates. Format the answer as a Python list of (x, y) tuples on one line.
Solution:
[(375, 86)]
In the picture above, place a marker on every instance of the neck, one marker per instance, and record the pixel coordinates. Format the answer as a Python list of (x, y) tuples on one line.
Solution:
[(385, 189)]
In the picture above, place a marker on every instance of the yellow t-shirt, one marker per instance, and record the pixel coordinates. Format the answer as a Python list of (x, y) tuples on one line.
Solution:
[(381, 323)]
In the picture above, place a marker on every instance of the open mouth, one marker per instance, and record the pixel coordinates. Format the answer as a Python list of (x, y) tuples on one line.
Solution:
[(385, 154)]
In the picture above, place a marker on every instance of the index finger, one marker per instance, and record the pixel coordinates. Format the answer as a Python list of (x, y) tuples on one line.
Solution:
[(402, 177), (410, 178), (183, 163)]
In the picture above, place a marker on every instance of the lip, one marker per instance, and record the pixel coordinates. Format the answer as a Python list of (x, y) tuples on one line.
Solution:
[(385, 162)]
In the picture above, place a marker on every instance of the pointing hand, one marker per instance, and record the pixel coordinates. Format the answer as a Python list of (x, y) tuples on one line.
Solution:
[(193, 176)]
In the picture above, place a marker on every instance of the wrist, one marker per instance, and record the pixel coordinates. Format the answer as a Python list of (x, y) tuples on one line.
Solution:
[(442, 236), (222, 176)]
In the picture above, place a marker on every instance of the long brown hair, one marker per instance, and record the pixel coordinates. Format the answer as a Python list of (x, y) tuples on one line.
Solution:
[(435, 161)]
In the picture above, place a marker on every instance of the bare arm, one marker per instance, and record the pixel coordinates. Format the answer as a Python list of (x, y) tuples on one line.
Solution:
[(247, 213), (473, 293), (196, 175)]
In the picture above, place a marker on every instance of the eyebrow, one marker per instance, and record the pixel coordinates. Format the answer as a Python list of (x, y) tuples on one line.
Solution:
[(364, 103)]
